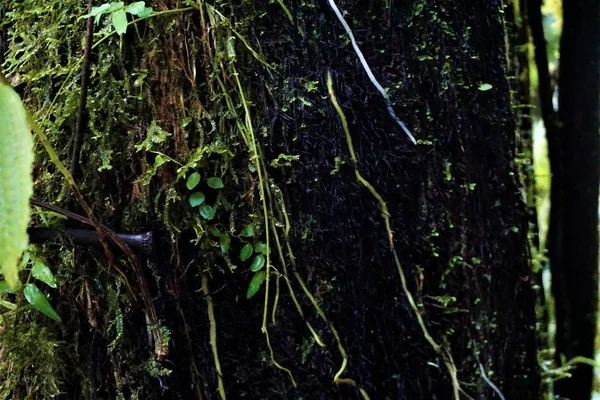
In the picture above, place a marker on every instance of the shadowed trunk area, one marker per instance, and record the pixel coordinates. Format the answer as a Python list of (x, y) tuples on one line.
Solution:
[(574, 242)]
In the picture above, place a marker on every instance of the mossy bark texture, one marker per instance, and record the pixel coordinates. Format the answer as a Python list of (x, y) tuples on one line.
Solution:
[(238, 91)]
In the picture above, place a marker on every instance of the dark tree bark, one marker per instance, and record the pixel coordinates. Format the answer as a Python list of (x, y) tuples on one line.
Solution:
[(574, 255), (459, 223)]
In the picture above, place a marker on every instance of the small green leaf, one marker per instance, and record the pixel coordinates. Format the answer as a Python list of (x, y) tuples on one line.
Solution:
[(145, 13), (41, 272), (136, 8), (215, 182), (39, 301), (8, 304), (257, 263), (225, 241), (246, 252), (484, 87), (196, 199), (97, 11), (207, 212), (214, 231), (248, 231), (115, 5), (255, 283), (192, 181), (119, 21), (260, 247), (16, 181)]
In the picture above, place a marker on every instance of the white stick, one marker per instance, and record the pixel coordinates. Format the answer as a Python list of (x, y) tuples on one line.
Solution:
[(365, 65)]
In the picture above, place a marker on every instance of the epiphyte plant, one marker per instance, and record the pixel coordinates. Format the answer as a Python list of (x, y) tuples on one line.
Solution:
[(208, 212), (117, 10)]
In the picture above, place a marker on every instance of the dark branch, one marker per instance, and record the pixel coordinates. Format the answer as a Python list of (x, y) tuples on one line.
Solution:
[(141, 243), (81, 113)]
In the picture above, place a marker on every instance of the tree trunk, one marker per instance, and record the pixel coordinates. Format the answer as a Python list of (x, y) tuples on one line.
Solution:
[(574, 258), (240, 92)]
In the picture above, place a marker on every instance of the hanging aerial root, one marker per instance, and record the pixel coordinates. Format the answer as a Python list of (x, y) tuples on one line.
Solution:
[(290, 288), (247, 131), (213, 335), (286, 233), (444, 353)]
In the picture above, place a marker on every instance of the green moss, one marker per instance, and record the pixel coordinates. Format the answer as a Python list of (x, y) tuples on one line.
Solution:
[(30, 360)]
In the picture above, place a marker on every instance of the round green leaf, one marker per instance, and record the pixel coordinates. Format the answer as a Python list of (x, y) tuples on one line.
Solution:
[(257, 263), (214, 231), (260, 247), (39, 301), (192, 181), (225, 241), (196, 199), (248, 231), (484, 87), (145, 12), (255, 283), (16, 182), (207, 212), (215, 182), (246, 252)]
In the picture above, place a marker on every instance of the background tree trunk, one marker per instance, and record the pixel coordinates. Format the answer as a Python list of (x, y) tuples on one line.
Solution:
[(459, 223), (574, 255)]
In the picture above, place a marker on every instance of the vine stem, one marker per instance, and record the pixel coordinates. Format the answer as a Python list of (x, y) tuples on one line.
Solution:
[(444, 353), (213, 335)]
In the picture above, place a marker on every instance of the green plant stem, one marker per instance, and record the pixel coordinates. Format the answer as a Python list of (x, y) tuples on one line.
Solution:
[(213, 335), (446, 355)]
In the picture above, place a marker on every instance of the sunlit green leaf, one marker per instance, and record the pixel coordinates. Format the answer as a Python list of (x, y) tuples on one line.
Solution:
[(16, 182), (119, 21), (258, 263), (484, 87), (207, 212), (255, 283), (39, 301), (115, 5), (215, 182), (246, 252), (248, 231), (225, 241), (145, 12), (192, 181), (41, 272), (97, 11), (136, 8), (196, 199)]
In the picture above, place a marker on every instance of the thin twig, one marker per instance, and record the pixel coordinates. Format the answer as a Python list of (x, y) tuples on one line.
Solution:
[(82, 112)]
